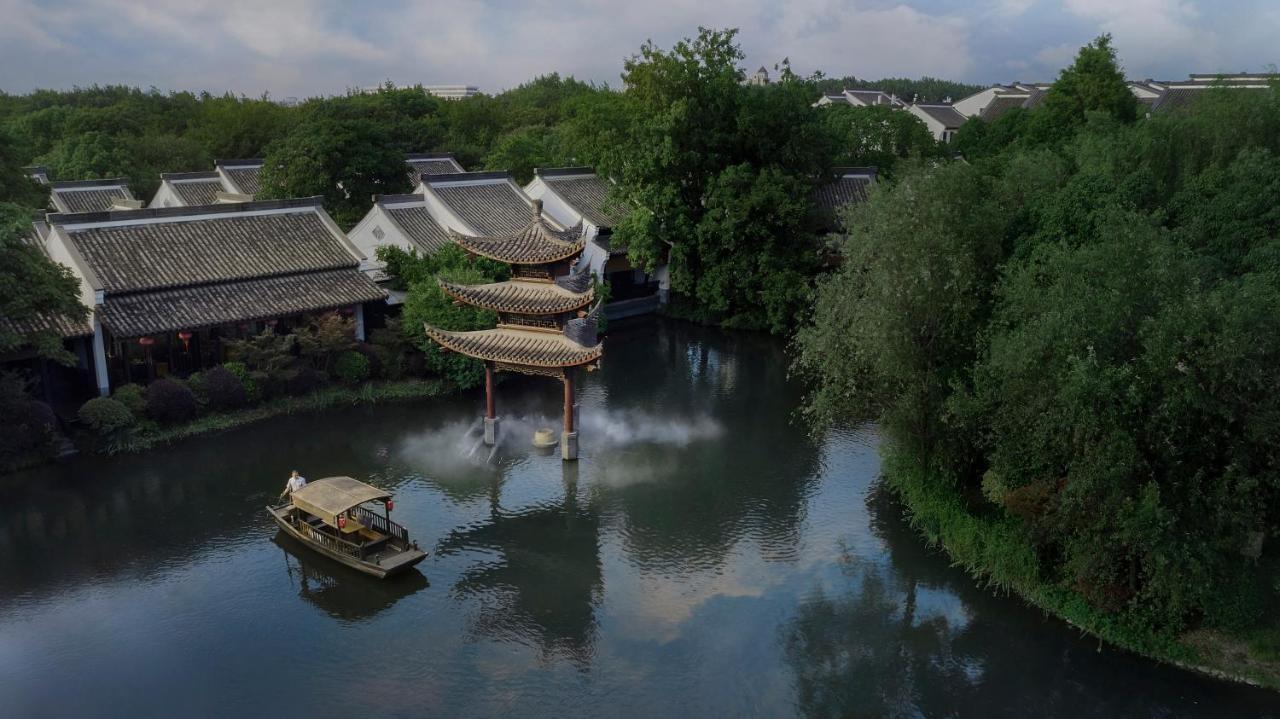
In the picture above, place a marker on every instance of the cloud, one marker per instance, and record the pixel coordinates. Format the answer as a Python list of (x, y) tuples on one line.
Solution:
[(309, 47)]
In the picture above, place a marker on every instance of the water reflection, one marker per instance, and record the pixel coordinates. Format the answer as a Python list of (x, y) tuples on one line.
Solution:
[(913, 636), (339, 591), (536, 576)]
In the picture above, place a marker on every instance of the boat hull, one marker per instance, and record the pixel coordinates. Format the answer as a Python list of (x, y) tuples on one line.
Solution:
[(396, 564)]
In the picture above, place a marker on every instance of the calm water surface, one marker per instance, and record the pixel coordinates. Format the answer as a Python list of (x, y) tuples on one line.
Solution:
[(704, 558)]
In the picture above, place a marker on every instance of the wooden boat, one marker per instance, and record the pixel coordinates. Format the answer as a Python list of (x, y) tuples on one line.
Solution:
[(329, 516)]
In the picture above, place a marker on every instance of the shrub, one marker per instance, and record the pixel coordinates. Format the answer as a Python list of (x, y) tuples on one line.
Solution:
[(302, 380), (375, 359), (252, 392), (132, 396), (352, 368), (223, 390), (196, 383), (29, 427), (105, 416), (169, 401)]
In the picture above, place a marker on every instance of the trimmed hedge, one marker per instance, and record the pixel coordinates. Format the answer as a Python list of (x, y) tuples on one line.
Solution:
[(222, 389), (105, 415), (169, 401)]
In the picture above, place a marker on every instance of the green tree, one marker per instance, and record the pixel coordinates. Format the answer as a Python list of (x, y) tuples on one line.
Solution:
[(36, 295), (877, 136), (1093, 83), (340, 154), (15, 186), (722, 172)]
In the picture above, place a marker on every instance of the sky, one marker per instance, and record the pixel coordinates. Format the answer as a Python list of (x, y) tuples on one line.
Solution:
[(302, 48)]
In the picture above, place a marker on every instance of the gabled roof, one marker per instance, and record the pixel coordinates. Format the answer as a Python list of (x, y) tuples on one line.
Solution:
[(431, 163), (1183, 94), (164, 269), (585, 191), (245, 175), (520, 296), (39, 173), (153, 249), (88, 195), (539, 242), (1001, 104), (410, 214), (850, 185), (948, 116), (488, 202), (194, 188), (873, 97)]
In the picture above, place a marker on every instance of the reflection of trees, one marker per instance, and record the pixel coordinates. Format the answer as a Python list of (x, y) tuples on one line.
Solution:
[(869, 654), (544, 589), (342, 592), (883, 648), (686, 507)]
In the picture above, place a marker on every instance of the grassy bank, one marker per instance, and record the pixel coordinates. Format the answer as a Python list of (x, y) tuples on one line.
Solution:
[(332, 396), (994, 550)]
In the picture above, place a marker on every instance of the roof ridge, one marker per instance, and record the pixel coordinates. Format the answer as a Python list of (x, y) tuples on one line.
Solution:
[(402, 198), (564, 171), (149, 213), (457, 177), (196, 175), (411, 156), (102, 182)]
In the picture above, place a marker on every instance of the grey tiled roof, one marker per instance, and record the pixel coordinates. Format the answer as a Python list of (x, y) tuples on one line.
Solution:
[(945, 114), (198, 192), (851, 185), (212, 247), (871, 97), (492, 208), (248, 179), (1001, 104), (90, 196), (430, 163), (1177, 97), (418, 225), (145, 313), (585, 192)]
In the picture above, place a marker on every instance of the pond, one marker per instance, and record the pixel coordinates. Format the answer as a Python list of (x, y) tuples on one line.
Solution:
[(705, 557)]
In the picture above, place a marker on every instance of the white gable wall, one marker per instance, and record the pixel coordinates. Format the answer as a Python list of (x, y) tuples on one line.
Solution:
[(166, 197)]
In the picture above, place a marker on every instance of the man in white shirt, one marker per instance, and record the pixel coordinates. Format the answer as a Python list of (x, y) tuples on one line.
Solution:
[(296, 481)]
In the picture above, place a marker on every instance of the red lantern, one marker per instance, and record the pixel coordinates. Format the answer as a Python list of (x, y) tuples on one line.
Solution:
[(185, 336), (390, 505), (146, 341), (342, 522)]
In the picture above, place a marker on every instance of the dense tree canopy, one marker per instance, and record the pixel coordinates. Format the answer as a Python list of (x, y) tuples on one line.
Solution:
[(1077, 333), (33, 290)]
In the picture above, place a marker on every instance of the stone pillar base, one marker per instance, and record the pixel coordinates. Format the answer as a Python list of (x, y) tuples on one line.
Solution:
[(490, 431), (568, 446)]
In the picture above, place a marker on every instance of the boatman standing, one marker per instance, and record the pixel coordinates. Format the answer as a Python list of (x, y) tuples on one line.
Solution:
[(296, 481)]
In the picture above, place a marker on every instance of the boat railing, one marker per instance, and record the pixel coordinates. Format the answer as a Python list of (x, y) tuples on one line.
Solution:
[(379, 523), (337, 544)]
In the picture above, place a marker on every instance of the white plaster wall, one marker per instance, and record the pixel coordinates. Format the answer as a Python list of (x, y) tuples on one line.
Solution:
[(973, 104), (166, 197)]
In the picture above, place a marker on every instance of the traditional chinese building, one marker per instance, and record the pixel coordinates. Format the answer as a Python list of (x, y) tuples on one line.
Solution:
[(546, 319)]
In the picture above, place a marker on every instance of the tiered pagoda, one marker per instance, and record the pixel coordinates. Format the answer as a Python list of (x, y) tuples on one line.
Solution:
[(546, 322)]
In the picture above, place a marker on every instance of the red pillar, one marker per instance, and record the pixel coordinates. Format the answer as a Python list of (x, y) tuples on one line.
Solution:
[(488, 391), (568, 399)]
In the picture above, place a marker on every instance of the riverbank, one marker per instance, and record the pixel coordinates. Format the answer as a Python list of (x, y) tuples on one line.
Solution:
[(324, 398), (993, 550)]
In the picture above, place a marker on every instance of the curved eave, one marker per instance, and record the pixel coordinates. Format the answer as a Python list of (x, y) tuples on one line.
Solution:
[(516, 249), (519, 298), (517, 347)]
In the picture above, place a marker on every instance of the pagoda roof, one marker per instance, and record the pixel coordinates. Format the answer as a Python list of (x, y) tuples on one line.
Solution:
[(526, 347), (520, 296), (539, 243)]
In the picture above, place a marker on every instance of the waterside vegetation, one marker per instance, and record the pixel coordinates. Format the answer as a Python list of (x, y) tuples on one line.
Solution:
[(1071, 344)]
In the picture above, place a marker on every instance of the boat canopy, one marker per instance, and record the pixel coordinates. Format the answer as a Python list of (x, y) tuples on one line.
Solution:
[(327, 498)]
